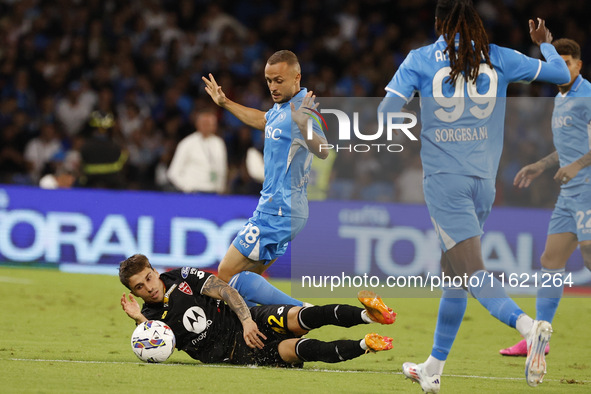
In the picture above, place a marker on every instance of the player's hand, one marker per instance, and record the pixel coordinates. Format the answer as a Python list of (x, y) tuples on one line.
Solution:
[(131, 307), (566, 173), (252, 336), (527, 174), (214, 90), (301, 115), (541, 34)]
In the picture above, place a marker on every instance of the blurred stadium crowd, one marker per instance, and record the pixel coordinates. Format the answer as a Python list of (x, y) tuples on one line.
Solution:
[(98, 93)]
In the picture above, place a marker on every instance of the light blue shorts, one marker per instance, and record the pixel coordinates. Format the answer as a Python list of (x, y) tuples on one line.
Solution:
[(572, 214), (265, 237), (458, 206)]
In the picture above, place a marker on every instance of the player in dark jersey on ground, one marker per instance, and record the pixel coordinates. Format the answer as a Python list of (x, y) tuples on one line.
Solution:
[(210, 330)]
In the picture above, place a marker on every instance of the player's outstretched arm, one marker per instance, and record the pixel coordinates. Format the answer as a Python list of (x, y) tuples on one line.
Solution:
[(217, 288), (132, 308), (249, 116), (530, 172), (300, 116)]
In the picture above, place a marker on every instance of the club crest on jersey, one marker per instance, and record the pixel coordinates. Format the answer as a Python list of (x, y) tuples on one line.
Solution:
[(185, 288)]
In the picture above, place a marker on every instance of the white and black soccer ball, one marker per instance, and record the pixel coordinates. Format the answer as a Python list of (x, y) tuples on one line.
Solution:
[(153, 341)]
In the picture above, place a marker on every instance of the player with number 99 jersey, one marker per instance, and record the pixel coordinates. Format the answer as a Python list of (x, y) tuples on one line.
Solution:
[(462, 128), (462, 123)]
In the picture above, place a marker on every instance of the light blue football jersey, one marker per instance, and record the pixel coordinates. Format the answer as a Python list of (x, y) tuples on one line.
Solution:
[(463, 124), (571, 129), (287, 162)]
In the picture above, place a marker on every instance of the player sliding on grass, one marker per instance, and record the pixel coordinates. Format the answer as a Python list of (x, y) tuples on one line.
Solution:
[(191, 302), (462, 81), (569, 225)]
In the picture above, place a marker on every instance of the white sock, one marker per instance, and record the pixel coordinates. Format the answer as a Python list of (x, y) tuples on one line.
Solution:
[(433, 366), (366, 317), (523, 324), (363, 344)]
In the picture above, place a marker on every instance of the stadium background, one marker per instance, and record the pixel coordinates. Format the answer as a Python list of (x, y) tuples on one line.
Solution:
[(142, 61)]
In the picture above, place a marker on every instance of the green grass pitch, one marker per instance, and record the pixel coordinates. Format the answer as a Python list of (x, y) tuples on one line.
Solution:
[(66, 333)]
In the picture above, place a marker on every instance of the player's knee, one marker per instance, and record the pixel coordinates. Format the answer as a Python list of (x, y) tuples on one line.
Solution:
[(293, 323), (287, 351), (551, 260), (225, 274)]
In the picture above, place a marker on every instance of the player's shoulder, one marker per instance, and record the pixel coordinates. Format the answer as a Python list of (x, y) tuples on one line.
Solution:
[(497, 51), (191, 273), (584, 89)]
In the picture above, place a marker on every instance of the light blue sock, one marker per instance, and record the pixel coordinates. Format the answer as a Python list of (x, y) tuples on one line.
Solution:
[(491, 294), (549, 294), (257, 290), (451, 312)]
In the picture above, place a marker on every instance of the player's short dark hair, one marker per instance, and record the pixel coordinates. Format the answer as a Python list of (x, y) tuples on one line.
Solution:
[(284, 56), (131, 266), (566, 47)]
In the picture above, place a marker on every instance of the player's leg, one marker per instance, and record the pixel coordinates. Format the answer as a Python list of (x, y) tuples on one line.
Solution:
[(560, 244), (586, 252), (250, 254), (302, 320), (466, 256), (299, 350), (452, 307), (257, 290), (450, 206), (559, 247), (282, 322)]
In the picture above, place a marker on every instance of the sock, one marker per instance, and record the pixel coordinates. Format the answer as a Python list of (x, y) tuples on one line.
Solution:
[(549, 297), (363, 344), (366, 317), (524, 324), (491, 294), (257, 290), (433, 366), (451, 312), (329, 352), (332, 314)]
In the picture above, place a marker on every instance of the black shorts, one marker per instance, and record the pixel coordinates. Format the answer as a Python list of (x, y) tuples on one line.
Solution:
[(271, 321)]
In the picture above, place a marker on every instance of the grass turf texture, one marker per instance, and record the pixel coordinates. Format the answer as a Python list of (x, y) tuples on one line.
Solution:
[(65, 333)]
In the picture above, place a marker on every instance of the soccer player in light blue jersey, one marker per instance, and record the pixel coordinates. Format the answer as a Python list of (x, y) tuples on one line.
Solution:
[(462, 81), (570, 224), (282, 210)]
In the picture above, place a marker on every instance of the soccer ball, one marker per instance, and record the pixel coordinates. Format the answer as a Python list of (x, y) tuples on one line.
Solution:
[(153, 341)]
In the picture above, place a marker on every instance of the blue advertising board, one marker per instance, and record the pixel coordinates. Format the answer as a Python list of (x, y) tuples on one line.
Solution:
[(93, 230)]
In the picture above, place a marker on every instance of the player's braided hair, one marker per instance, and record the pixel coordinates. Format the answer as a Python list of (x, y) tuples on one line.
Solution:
[(460, 16)]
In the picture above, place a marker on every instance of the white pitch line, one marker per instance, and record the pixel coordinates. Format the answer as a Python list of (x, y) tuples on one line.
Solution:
[(252, 366), (20, 281)]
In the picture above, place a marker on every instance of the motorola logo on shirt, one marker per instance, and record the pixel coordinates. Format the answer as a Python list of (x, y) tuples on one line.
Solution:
[(195, 320)]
